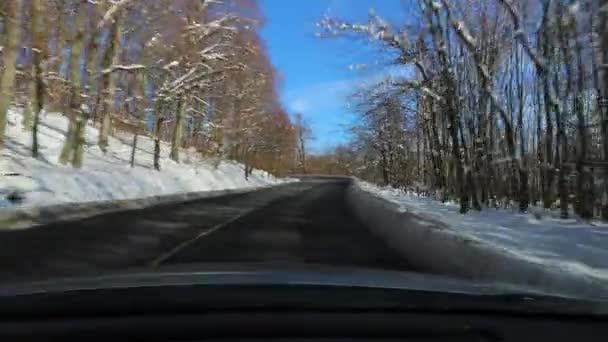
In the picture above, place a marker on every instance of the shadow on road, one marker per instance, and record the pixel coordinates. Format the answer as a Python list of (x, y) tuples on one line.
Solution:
[(303, 222)]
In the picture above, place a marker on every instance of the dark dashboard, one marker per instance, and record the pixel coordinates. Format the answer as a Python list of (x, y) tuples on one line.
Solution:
[(311, 304)]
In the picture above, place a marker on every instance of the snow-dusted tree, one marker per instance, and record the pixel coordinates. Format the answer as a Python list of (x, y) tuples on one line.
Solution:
[(73, 110), (39, 49), (304, 134), (111, 58), (193, 62), (125, 65), (498, 117), (11, 19), (410, 54), (603, 33), (382, 131)]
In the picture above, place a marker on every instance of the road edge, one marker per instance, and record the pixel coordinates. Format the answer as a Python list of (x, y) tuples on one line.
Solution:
[(436, 248), (23, 218)]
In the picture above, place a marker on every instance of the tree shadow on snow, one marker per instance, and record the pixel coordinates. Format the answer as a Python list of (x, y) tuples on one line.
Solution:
[(129, 143), (23, 151)]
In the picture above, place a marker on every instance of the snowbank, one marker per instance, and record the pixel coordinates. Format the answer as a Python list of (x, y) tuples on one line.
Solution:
[(43, 181), (563, 256)]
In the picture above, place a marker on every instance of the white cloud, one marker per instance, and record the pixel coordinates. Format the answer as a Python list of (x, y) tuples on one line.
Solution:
[(298, 105)]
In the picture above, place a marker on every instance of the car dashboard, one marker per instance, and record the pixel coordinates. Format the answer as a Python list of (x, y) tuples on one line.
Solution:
[(290, 306)]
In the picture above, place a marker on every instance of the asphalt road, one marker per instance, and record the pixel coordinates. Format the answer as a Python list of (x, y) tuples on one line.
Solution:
[(303, 222)]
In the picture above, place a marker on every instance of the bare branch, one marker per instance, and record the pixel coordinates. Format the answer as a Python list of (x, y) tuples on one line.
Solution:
[(132, 67)]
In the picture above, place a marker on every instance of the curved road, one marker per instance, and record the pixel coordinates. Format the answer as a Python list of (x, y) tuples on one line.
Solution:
[(303, 222)]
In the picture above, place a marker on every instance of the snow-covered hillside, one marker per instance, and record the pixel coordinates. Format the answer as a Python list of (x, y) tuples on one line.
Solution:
[(104, 177), (569, 245)]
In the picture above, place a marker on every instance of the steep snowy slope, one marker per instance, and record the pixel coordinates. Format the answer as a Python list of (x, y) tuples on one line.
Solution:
[(103, 177)]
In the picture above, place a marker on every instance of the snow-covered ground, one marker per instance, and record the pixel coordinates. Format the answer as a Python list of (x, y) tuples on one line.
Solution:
[(104, 177), (571, 245)]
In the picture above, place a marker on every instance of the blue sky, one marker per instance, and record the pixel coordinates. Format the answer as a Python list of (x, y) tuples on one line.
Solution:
[(315, 75)]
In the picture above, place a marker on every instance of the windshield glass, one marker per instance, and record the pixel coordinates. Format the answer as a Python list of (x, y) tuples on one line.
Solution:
[(461, 138)]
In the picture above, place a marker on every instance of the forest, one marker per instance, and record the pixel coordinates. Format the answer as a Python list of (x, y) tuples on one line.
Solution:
[(506, 104), (194, 74)]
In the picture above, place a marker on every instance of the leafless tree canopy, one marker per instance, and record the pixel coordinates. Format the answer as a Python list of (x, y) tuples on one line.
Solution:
[(192, 73), (507, 104)]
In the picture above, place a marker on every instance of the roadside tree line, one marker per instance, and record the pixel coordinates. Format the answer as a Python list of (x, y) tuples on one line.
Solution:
[(507, 103), (193, 73)]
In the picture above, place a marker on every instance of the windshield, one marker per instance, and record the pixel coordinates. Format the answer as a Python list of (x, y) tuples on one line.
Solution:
[(460, 138)]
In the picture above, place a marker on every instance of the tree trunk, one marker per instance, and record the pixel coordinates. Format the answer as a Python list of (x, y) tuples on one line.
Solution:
[(39, 49), (583, 206), (158, 120), (140, 90), (524, 193), (111, 57), (28, 109), (251, 161), (133, 148), (178, 130), (385, 173), (539, 151), (561, 160), (419, 177), (471, 183), (68, 145), (71, 143), (484, 154), (604, 101), (436, 154), (79, 140), (564, 43), (450, 102), (12, 24), (548, 196), (248, 157), (55, 57), (491, 147), (301, 143), (245, 167), (548, 166)]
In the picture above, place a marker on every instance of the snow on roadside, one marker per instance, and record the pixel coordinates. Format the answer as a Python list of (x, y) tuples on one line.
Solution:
[(44, 181), (569, 245)]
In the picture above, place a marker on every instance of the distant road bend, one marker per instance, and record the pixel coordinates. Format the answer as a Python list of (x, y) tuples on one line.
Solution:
[(303, 222)]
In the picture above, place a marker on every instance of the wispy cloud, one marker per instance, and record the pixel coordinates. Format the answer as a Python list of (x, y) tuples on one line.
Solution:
[(332, 95), (298, 105), (325, 105), (320, 96)]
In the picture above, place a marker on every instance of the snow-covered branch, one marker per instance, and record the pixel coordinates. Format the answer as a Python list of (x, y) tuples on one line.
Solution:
[(520, 35), (418, 85), (204, 31), (131, 67), (198, 113), (194, 97), (170, 65), (539, 62), (376, 29), (110, 14)]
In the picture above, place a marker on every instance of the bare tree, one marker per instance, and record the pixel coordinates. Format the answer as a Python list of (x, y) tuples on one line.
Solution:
[(111, 58), (12, 20), (303, 133), (603, 30), (39, 54), (497, 117), (73, 108)]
